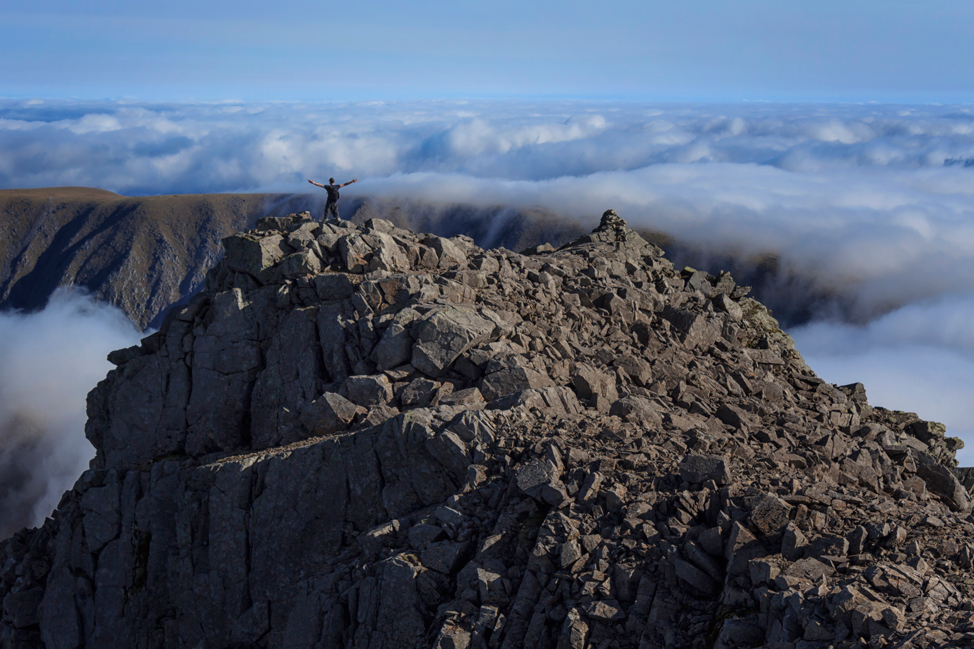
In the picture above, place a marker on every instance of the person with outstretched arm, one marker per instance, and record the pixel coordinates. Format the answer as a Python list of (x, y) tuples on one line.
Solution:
[(331, 205)]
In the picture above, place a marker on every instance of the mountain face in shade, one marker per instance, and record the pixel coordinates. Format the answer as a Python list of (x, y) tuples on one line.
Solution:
[(140, 254), (356, 436)]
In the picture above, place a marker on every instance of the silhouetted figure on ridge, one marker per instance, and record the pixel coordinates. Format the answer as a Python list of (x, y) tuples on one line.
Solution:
[(331, 206)]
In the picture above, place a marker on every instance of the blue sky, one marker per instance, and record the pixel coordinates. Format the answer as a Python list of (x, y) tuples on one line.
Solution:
[(825, 50)]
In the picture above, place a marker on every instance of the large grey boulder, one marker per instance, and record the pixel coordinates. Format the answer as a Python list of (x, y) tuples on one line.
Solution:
[(637, 410), (367, 391), (558, 401), (942, 481), (300, 264), (254, 255), (541, 480), (329, 413), (512, 379), (387, 255), (333, 287), (698, 468), (395, 348), (355, 252), (445, 333), (449, 254), (595, 387)]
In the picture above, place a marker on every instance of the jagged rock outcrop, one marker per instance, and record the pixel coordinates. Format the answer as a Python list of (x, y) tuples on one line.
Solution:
[(363, 437)]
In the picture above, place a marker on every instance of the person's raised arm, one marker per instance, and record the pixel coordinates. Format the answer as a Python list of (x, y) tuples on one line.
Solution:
[(353, 180), (315, 184)]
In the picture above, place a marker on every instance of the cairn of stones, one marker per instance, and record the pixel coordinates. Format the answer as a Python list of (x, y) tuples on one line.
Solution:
[(359, 437)]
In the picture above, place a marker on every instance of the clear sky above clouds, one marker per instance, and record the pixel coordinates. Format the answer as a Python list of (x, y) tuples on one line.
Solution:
[(827, 50)]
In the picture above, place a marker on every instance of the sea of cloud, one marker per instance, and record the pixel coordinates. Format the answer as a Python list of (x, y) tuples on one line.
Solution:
[(872, 205)]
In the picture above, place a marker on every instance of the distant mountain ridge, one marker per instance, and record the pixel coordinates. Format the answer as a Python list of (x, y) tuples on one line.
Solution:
[(144, 254), (140, 254)]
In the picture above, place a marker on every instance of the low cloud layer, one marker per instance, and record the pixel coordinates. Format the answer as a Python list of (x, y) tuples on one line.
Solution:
[(49, 360), (164, 148), (919, 358), (870, 206)]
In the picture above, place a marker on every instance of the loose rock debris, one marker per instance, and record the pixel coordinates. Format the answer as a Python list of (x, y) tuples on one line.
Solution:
[(364, 437)]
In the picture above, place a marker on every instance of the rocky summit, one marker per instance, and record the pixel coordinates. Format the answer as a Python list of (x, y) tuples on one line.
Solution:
[(366, 438)]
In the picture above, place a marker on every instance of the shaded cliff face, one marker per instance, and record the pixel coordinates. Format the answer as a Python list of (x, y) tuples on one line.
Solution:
[(357, 436)]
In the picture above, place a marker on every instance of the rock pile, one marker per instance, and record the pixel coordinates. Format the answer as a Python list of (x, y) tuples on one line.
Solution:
[(363, 437)]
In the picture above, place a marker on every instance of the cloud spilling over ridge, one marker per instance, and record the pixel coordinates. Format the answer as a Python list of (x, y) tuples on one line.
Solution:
[(919, 358), (863, 237), (49, 360), (854, 197), (871, 204)]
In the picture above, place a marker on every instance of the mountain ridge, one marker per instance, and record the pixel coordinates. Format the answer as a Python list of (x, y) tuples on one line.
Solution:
[(145, 254), (357, 436)]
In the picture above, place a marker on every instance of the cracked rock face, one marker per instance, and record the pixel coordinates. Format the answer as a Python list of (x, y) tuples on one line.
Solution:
[(361, 437)]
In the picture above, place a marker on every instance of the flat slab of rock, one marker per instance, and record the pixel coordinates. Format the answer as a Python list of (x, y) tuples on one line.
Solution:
[(445, 333), (698, 469)]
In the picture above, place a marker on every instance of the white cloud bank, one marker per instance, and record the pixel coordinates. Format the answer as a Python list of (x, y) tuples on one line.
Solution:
[(874, 204), (918, 358), (48, 362)]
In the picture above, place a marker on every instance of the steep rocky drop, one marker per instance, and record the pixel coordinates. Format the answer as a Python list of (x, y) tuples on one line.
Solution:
[(357, 436)]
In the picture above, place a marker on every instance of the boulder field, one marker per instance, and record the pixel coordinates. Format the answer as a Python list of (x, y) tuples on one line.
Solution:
[(360, 437)]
